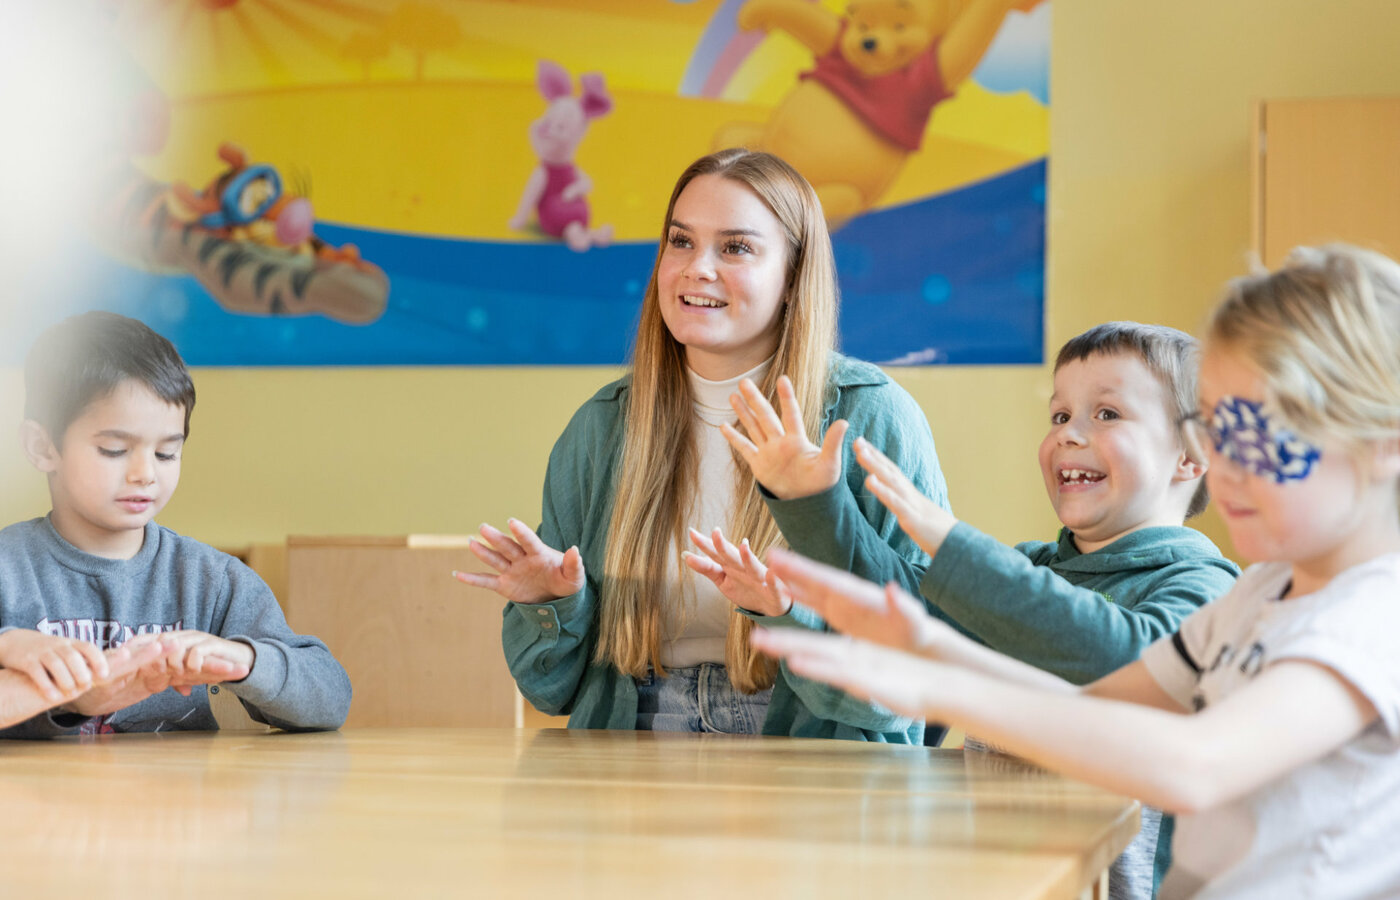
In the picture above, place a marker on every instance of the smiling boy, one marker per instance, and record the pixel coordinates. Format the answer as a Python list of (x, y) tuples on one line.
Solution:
[(1125, 570), (107, 406)]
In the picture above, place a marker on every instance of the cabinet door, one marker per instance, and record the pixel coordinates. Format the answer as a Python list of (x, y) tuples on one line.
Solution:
[(1327, 170)]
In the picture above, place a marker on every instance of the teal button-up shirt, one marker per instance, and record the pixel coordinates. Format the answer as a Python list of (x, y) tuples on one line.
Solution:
[(549, 646)]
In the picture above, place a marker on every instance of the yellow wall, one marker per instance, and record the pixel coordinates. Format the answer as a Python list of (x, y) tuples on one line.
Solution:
[(1149, 194)]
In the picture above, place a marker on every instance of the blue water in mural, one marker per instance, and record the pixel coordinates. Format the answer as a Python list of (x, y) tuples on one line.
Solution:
[(953, 279)]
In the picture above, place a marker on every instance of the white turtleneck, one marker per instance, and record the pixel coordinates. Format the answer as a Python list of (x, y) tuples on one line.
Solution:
[(695, 615)]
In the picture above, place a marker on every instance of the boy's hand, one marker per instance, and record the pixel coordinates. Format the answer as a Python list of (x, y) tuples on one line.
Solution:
[(165, 668), (887, 616), (777, 449), (922, 519), (527, 569), (202, 657), (59, 667), (740, 577)]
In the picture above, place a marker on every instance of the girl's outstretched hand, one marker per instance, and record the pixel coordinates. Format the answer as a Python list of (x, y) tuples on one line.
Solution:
[(922, 519), (777, 449), (898, 681), (887, 616), (527, 569), (740, 577)]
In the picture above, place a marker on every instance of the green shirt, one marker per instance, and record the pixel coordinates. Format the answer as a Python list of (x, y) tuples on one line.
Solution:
[(549, 646)]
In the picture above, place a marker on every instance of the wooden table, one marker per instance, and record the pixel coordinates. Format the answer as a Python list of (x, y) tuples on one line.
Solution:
[(553, 813)]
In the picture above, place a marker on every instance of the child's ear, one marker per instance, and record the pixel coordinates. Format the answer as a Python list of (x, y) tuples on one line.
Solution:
[(38, 446), (1189, 467)]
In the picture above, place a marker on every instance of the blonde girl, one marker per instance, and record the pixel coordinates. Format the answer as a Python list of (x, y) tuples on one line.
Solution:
[(605, 621), (1271, 721)]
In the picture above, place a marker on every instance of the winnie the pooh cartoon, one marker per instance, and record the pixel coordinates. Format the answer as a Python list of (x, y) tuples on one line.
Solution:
[(852, 120)]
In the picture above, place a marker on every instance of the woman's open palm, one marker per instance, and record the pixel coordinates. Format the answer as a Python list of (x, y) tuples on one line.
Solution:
[(527, 569)]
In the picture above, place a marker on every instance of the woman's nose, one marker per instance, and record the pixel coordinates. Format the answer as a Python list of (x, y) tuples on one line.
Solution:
[(701, 267)]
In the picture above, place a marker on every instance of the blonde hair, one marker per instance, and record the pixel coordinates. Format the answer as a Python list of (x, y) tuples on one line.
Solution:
[(1324, 333), (657, 472)]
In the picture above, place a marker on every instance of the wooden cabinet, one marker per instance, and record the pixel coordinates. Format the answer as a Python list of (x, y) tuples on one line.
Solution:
[(1326, 170), (421, 648)]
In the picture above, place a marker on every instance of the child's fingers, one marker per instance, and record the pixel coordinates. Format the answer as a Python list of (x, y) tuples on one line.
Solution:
[(820, 586), (877, 463), (94, 657), (56, 672), (892, 500)]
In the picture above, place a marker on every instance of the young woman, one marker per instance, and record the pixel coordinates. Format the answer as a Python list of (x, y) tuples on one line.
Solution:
[(605, 621)]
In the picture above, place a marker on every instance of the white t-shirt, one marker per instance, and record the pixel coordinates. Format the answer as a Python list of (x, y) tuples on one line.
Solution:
[(695, 616), (1328, 829)]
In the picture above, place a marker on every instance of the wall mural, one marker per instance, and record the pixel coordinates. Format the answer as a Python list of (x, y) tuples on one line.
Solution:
[(410, 182)]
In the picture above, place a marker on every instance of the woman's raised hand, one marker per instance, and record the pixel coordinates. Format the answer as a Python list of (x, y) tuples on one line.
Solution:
[(922, 519), (527, 569), (777, 449), (740, 577)]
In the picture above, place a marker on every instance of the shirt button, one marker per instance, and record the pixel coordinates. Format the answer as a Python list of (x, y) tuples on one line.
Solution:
[(543, 612), (547, 625)]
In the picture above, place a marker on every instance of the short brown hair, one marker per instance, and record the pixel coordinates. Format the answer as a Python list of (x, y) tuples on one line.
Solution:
[(84, 358), (1171, 356)]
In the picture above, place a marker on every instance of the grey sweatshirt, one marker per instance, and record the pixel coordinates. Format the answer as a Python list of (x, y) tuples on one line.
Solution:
[(172, 583)]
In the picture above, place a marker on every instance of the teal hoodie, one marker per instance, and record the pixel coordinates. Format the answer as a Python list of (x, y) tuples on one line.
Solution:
[(1078, 615)]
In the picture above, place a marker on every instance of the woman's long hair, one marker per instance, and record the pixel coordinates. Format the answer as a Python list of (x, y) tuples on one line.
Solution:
[(657, 472)]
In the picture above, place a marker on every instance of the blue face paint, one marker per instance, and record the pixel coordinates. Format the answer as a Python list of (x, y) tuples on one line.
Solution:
[(1243, 433)]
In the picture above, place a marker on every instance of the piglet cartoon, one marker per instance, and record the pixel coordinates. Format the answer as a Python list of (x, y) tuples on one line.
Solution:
[(556, 189)]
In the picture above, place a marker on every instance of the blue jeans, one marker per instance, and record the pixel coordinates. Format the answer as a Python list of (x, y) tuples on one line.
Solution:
[(699, 698)]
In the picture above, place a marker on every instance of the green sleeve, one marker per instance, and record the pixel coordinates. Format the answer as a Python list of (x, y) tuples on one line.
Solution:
[(548, 645), (1035, 615)]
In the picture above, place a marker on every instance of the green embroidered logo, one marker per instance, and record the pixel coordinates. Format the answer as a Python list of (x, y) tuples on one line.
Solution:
[(1108, 597)]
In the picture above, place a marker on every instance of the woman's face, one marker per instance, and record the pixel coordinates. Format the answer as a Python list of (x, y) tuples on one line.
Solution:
[(721, 277)]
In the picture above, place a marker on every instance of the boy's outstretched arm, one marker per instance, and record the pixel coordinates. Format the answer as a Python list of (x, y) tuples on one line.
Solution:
[(1179, 763), (922, 519), (1029, 611)]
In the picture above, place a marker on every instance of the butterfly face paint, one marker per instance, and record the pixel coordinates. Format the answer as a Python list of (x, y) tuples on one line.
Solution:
[(1243, 433)]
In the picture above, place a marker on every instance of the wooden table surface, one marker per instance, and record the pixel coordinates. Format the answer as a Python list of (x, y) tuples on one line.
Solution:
[(553, 813)]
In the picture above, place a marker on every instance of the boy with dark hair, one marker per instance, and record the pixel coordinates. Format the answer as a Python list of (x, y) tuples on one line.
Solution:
[(107, 406)]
